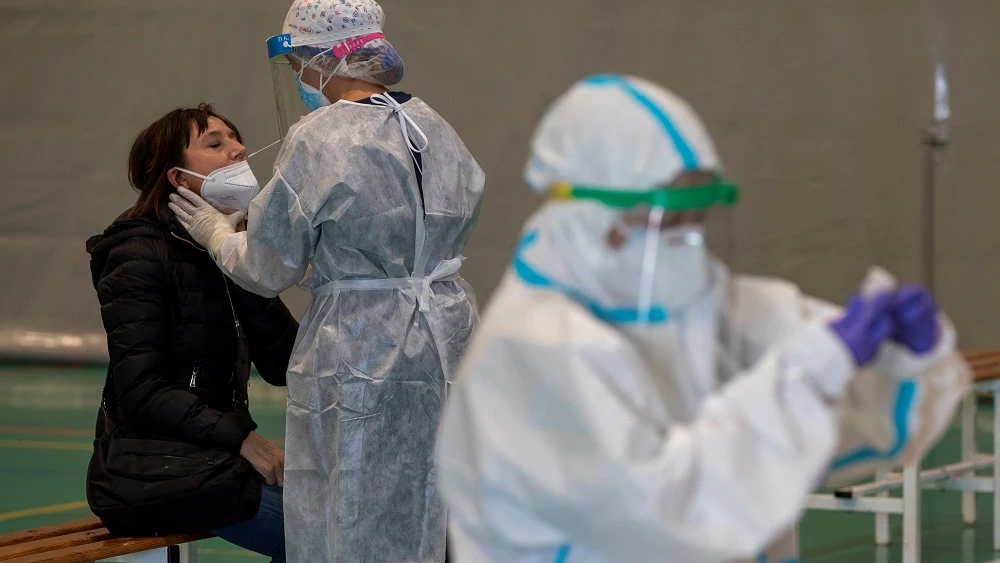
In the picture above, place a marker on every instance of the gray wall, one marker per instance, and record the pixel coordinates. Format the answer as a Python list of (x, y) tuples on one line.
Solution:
[(817, 109)]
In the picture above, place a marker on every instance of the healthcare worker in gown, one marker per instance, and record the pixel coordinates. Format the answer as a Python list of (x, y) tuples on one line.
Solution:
[(629, 398), (373, 198)]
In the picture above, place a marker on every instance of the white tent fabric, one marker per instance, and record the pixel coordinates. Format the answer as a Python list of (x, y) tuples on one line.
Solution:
[(817, 109)]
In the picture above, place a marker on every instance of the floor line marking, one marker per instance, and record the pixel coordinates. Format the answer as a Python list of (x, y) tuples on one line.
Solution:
[(42, 445), (47, 431), (42, 510)]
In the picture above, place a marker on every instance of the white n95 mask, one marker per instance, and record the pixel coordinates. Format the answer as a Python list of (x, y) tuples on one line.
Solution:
[(230, 187), (680, 267)]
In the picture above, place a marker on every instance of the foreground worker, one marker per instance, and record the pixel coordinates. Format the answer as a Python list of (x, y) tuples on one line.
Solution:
[(628, 398)]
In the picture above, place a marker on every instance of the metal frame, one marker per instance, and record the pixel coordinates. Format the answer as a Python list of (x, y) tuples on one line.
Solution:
[(874, 497), (184, 553)]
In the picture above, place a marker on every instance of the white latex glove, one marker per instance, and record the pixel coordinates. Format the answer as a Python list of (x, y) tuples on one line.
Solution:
[(206, 224)]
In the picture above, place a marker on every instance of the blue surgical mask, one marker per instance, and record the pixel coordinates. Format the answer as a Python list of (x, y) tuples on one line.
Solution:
[(311, 97)]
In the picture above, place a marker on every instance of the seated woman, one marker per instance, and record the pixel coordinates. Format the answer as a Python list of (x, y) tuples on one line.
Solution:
[(176, 447)]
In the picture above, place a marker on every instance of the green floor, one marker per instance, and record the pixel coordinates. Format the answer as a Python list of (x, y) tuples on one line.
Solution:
[(46, 417), (46, 427)]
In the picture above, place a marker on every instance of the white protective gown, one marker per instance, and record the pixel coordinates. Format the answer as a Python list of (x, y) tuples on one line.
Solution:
[(563, 443), (389, 319)]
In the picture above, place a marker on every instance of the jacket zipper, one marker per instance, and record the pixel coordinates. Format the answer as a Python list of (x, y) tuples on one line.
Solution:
[(142, 454), (194, 378), (236, 320)]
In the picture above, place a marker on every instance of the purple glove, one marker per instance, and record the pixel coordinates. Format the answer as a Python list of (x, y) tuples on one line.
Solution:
[(866, 323), (914, 313)]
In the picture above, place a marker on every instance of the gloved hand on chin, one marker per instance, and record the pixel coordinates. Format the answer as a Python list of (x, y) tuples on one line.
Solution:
[(206, 225)]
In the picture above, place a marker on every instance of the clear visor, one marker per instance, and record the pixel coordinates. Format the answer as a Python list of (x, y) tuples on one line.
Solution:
[(366, 57), (288, 100), (287, 71), (666, 242)]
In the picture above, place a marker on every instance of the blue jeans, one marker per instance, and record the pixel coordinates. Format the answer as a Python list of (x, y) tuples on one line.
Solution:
[(265, 532)]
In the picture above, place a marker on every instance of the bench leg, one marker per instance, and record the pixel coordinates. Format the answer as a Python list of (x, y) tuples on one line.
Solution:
[(969, 452), (996, 473), (161, 555), (969, 545), (189, 553), (911, 513), (184, 553), (882, 535)]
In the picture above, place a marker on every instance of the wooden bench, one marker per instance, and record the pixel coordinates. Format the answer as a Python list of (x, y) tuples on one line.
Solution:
[(985, 365), (81, 541)]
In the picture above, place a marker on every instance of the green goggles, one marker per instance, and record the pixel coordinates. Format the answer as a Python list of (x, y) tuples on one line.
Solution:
[(678, 198)]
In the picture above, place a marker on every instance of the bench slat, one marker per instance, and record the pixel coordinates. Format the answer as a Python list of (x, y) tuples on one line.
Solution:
[(981, 354), (44, 532), (985, 364), (990, 361), (105, 549), (54, 543), (978, 370)]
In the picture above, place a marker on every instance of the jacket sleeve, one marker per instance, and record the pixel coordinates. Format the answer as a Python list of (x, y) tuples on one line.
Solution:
[(134, 297), (270, 329), (546, 443)]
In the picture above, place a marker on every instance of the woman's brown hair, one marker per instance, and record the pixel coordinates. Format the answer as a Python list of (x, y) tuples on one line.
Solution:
[(159, 148)]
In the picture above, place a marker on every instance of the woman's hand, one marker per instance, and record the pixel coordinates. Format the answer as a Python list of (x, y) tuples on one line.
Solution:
[(265, 457)]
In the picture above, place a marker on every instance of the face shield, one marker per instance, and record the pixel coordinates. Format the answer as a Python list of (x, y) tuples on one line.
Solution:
[(658, 242), (299, 72), (284, 80), (294, 96), (659, 261)]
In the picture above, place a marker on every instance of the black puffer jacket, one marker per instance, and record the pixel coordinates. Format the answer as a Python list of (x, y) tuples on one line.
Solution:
[(181, 335)]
